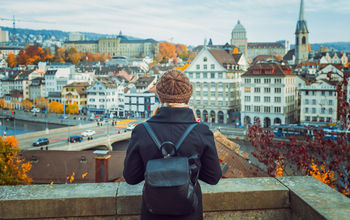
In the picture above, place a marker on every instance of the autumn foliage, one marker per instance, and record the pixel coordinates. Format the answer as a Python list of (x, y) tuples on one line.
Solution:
[(41, 102), (56, 107), (326, 159), (26, 104), (13, 168), (72, 108)]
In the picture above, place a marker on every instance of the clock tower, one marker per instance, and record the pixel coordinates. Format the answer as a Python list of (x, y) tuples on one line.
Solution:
[(301, 37)]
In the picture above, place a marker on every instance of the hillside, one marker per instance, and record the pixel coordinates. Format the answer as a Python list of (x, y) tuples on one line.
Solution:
[(339, 46)]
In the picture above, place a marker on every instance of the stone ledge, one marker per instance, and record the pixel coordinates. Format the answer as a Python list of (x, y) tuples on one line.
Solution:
[(58, 200), (312, 199)]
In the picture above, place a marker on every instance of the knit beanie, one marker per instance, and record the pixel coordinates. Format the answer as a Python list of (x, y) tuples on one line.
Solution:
[(174, 87)]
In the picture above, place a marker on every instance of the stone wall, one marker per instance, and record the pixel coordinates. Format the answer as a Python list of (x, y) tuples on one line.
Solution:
[(253, 198)]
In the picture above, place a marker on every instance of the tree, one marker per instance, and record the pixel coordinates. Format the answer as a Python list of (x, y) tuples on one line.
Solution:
[(60, 55), (41, 102), (11, 60), (181, 51), (56, 107), (72, 108), (13, 169), (2, 103), (26, 104), (326, 159), (166, 51)]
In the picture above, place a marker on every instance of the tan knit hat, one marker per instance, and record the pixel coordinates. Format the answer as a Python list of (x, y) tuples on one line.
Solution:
[(174, 87)]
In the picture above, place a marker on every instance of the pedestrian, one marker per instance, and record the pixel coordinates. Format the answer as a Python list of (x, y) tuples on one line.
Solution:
[(169, 122)]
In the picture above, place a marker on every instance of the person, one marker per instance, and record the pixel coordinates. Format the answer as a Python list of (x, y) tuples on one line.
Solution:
[(169, 122)]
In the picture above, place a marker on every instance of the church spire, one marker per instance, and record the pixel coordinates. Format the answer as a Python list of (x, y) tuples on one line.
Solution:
[(301, 12)]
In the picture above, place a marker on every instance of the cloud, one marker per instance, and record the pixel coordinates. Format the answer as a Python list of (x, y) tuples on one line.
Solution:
[(186, 22)]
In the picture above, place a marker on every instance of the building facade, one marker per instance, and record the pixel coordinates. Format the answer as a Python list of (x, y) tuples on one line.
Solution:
[(75, 93), (216, 76), (318, 103), (301, 37), (82, 46), (268, 95), (140, 105)]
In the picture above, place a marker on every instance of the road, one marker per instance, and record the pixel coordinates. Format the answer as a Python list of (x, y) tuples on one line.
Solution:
[(59, 138)]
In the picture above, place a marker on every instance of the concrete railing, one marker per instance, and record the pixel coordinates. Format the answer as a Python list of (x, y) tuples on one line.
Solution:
[(241, 198)]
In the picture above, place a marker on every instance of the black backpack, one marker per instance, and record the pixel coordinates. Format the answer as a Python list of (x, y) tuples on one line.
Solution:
[(169, 181)]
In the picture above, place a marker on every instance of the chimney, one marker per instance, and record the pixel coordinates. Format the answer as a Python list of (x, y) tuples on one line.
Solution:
[(101, 165)]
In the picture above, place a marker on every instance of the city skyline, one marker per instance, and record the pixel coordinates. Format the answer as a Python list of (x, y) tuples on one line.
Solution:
[(183, 22)]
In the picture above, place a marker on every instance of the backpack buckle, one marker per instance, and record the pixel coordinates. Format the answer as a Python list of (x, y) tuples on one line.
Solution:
[(168, 149)]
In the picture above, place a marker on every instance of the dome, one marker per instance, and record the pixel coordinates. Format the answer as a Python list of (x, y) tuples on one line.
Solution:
[(238, 27)]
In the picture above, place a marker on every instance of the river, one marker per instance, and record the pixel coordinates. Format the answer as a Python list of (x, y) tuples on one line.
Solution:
[(16, 127)]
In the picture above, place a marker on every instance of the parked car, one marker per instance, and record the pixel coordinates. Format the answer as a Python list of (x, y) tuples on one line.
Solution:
[(35, 110), (41, 141), (88, 133), (63, 116), (75, 138)]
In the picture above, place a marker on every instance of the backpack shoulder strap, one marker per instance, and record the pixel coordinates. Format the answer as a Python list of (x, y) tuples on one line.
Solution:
[(188, 130), (152, 134)]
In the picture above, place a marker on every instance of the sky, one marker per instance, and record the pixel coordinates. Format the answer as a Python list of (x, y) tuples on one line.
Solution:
[(187, 22)]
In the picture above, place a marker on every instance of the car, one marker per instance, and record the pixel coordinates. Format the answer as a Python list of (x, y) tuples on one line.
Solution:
[(75, 138), (41, 141), (88, 133), (35, 110), (131, 126), (63, 117)]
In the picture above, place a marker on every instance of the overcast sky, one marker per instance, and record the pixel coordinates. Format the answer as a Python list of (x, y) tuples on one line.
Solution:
[(187, 22)]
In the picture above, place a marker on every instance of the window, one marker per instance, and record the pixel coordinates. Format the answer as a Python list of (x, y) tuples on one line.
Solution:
[(306, 110), (198, 93), (267, 81), (205, 93), (205, 75), (220, 85), (314, 101), (247, 80), (205, 59), (323, 93), (190, 75), (330, 102), (212, 103), (257, 90), (267, 99), (247, 98), (212, 94), (313, 110), (323, 110), (247, 108), (220, 75), (307, 118), (205, 66), (277, 109), (267, 90), (314, 118), (212, 85), (256, 98), (212, 66), (247, 89), (278, 90), (197, 66), (220, 94), (212, 75), (278, 81), (306, 101), (220, 103), (267, 109), (278, 99), (256, 108), (205, 85), (330, 111), (257, 80), (198, 75)]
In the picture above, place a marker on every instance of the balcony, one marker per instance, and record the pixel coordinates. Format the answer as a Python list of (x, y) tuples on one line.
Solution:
[(240, 198)]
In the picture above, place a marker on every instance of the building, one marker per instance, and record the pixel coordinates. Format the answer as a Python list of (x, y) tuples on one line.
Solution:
[(251, 50), (82, 46), (36, 88), (318, 103), (4, 36), (301, 37), (268, 94), (75, 93), (76, 36), (140, 105), (216, 76), (102, 96), (145, 83)]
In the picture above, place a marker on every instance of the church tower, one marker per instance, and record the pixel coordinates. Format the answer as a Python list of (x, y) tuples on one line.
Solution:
[(301, 37), (239, 38)]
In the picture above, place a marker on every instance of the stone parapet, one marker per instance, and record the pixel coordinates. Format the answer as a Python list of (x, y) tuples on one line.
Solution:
[(261, 198)]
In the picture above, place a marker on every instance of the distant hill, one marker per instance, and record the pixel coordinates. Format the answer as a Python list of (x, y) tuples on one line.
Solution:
[(339, 46), (30, 35)]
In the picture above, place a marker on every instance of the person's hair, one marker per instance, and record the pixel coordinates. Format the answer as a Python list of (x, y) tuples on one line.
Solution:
[(174, 87)]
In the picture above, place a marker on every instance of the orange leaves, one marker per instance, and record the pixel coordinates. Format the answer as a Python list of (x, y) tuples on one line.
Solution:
[(166, 51), (72, 108), (26, 104), (84, 175), (11, 60), (41, 102), (56, 107), (279, 172), (235, 51), (2, 103), (13, 169)]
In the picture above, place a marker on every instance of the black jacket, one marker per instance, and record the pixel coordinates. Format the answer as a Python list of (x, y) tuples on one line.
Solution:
[(169, 124)]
